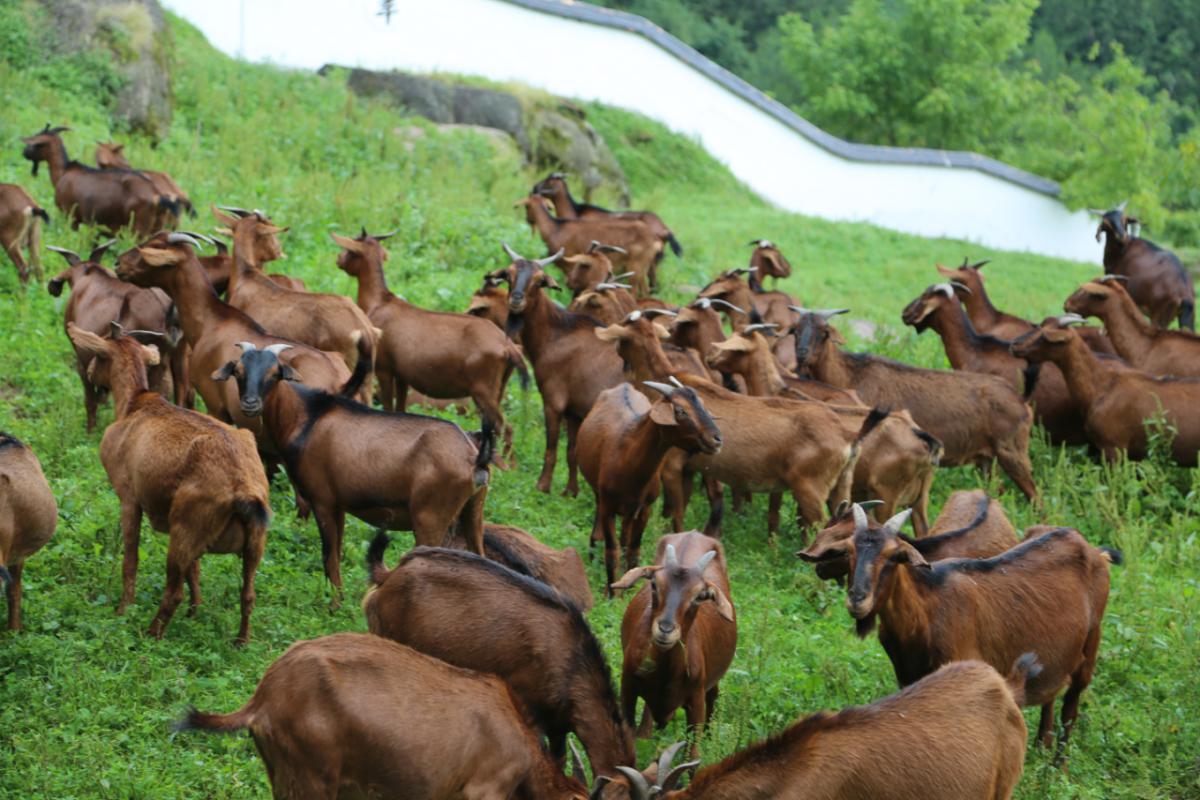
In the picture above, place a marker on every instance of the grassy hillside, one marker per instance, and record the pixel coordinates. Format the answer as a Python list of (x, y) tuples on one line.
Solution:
[(86, 699)]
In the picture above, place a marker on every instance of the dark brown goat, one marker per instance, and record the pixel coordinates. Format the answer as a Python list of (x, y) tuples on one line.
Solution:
[(324, 720), (1117, 403), (622, 444), (1144, 346), (977, 418), (970, 351), (28, 517), (679, 632), (111, 155), (110, 198), (198, 480), (554, 187), (1045, 595), (99, 298), (521, 552), (393, 471), (21, 229), (572, 367), (477, 614), (1158, 283), (958, 734)]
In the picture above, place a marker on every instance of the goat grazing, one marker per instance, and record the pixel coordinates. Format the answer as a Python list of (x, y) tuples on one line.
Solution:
[(111, 155), (554, 187), (1158, 283), (477, 614), (197, 479), (679, 633), (28, 517), (561, 570), (324, 719), (21, 229)]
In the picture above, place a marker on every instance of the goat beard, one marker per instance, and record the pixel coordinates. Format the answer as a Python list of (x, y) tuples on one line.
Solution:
[(864, 626), (35, 168)]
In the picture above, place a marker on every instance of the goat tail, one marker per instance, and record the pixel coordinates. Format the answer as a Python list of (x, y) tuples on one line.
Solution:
[(516, 360), (362, 367), (1187, 315), (217, 723), (1112, 555), (252, 511), (486, 439), (377, 571), (936, 448), (38, 211), (187, 206), (1024, 670), (676, 247), (1031, 373), (874, 417)]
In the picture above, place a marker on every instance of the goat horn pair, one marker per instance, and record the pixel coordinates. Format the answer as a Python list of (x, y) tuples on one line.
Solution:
[(667, 775), (761, 243), (823, 313), (892, 526)]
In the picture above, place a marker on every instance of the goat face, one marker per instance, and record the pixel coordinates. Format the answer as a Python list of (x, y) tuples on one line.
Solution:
[(874, 554), (938, 296), (1041, 343), (1115, 224), (256, 372), (1093, 298), (814, 335), (683, 409), (527, 280), (550, 186), (966, 279), (676, 594), (146, 264)]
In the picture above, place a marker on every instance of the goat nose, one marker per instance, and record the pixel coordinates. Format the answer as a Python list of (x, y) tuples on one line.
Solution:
[(666, 625)]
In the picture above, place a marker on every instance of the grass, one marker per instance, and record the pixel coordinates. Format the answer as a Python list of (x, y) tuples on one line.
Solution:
[(87, 700)]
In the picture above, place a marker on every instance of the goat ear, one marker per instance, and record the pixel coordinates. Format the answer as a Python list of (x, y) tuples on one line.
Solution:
[(150, 355), (288, 373), (737, 343), (613, 333), (550, 283), (159, 257), (346, 243), (724, 607), (907, 554), (660, 331), (228, 220), (225, 372), (949, 273), (663, 414), (632, 577), (86, 340)]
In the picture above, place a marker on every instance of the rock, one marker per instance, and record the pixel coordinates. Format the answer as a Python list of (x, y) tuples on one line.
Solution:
[(563, 140), (136, 35)]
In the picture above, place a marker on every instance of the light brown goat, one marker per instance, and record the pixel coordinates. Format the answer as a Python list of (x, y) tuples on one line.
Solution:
[(198, 480), (760, 306), (490, 301), (1045, 595), (28, 517), (112, 154), (958, 734), (324, 720), (607, 303), (21, 229), (679, 632), (561, 570), (219, 267)]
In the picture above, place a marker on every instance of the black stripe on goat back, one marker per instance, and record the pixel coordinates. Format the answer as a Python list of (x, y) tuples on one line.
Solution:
[(929, 542), (8, 440), (501, 553), (943, 569)]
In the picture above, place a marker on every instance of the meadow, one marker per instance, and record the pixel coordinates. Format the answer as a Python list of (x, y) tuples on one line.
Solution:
[(87, 699)]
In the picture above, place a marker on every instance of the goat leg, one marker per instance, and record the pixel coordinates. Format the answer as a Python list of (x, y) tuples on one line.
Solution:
[(178, 564), (331, 524), (1045, 734), (13, 592), (553, 421), (131, 532), (193, 582), (251, 555), (572, 489)]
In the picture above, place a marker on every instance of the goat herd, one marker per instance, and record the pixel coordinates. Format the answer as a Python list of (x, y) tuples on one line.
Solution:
[(479, 649)]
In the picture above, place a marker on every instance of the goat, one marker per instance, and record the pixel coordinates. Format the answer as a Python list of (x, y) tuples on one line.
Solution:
[(326, 322), (28, 517), (477, 614), (766, 260), (197, 479), (219, 266), (607, 303), (439, 354), (977, 418), (1117, 403), (111, 155), (1047, 594), (490, 301), (324, 720), (957, 734), (1158, 283), (679, 633), (21, 229), (643, 250), (110, 198), (970, 525), (761, 306), (571, 366), (561, 570), (99, 298), (621, 446), (554, 187), (969, 351), (1148, 348), (212, 328), (584, 270), (393, 471)]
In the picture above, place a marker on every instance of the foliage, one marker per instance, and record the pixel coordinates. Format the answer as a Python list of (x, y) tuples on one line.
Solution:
[(86, 700)]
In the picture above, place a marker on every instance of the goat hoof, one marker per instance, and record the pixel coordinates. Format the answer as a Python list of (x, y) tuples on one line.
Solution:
[(191, 612), (241, 641), (543, 487)]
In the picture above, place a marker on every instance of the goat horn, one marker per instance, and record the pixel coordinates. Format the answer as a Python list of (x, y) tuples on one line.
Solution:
[(701, 565), (115, 329), (761, 242), (623, 275), (379, 237), (666, 390), (513, 254), (671, 560), (203, 237), (860, 517), (668, 755), (1097, 212), (869, 504), (612, 248), (247, 347), (637, 782), (1121, 206), (650, 313), (894, 524), (801, 310), (668, 783), (541, 262), (632, 316), (962, 286), (181, 238), (675, 381), (942, 288), (241, 212), (605, 286), (71, 256), (577, 764), (702, 302), (276, 349), (726, 303), (760, 326), (1071, 319), (1111, 278)]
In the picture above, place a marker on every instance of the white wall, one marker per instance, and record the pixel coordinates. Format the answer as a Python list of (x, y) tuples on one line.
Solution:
[(502, 41)]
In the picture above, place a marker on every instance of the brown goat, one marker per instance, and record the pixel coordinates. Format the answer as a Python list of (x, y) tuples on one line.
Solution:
[(643, 250), (111, 155), (1045, 595), (393, 471), (198, 480), (561, 570), (1158, 283), (490, 301), (760, 306), (213, 329), (219, 267), (110, 198), (1146, 347), (898, 459), (439, 354), (28, 517), (99, 298), (21, 229), (584, 270), (977, 418), (969, 351), (477, 614), (679, 632), (957, 734), (607, 303), (324, 719), (971, 525), (621, 447), (767, 260), (1117, 403)]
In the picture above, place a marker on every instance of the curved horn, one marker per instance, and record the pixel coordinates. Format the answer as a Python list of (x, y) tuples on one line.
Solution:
[(801, 310), (962, 286), (600, 287), (379, 237), (181, 238), (725, 303), (246, 347), (639, 788), (276, 349), (1122, 279), (1070, 319), (1121, 206), (867, 505), (942, 288), (670, 559), (632, 316), (701, 565), (70, 255), (663, 388), (860, 516), (676, 382), (623, 276), (761, 243), (668, 755), (541, 262), (1096, 211), (768, 327), (240, 212), (577, 764), (894, 524), (115, 330), (651, 313), (513, 254)]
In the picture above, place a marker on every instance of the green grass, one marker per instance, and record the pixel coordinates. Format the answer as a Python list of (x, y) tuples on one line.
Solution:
[(86, 699)]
